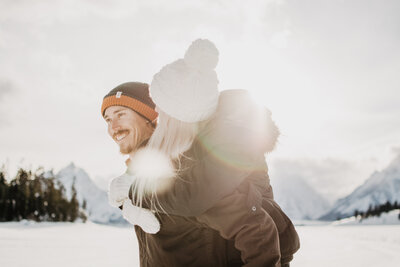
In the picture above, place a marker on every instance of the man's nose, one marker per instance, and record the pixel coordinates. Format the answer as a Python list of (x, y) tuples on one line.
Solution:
[(115, 125)]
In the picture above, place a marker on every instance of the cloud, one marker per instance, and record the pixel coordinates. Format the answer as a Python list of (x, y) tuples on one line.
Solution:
[(6, 89), (349, 47), (396, 150)]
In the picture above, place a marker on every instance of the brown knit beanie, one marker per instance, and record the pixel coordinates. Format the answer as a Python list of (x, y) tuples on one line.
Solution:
[(133, 95)]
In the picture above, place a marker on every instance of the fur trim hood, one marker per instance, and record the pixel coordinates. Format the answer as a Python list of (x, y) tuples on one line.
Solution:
[(153, 171), (240, 121)]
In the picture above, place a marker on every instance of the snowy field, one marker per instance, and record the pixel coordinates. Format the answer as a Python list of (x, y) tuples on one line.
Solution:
[(87, 245)]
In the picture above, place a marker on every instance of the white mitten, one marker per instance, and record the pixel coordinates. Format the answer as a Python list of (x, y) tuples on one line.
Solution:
[(141, 217), (119, 189)]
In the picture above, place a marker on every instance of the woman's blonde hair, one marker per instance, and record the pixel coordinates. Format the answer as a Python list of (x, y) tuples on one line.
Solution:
[(172, 136)]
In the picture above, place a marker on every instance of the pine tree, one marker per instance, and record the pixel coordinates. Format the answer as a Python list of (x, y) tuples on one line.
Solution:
[(3, 197), (34, 197), (387, 206), (369, 211), (82, 212), (36, 200), (13, 212), (74, 204), (356, 213)]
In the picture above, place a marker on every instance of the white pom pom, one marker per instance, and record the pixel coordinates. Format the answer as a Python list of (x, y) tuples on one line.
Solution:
[(202, 55)]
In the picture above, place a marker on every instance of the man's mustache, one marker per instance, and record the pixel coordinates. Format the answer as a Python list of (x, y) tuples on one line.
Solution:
[(120, 132)]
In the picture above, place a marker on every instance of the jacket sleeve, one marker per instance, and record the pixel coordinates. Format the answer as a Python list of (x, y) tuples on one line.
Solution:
[(205, 181), (240, 217)]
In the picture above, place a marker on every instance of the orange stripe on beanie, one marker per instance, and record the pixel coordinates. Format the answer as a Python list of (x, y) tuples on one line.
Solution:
[(133, 95)]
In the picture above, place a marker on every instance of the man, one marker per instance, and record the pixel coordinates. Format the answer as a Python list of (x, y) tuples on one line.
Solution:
[(182, 241)]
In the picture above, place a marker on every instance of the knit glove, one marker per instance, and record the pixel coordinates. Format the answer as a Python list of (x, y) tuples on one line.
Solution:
[(141, 217), (119, 189)]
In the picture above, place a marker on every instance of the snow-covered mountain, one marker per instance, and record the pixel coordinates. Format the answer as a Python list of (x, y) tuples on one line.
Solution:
[(379, 188), (97, 207), (297, 198)]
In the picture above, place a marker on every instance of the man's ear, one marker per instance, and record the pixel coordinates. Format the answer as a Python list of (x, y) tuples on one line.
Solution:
[(152, 123), (149, 129)]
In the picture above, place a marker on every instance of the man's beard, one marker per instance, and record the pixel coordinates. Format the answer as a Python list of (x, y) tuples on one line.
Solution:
[(133, 144)]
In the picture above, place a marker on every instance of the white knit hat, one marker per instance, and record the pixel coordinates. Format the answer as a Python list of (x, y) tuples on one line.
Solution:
[(187, 89)]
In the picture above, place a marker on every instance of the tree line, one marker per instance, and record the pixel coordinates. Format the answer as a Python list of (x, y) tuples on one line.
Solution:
[(36, 196), (377, 210)]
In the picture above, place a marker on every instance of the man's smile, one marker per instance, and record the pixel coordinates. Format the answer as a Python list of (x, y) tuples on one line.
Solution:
[(121, 135)]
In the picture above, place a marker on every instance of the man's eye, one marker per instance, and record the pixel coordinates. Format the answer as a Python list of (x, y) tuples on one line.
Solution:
[(120, 115)]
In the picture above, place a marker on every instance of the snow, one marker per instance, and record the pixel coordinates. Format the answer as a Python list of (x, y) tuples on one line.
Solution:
[(389, 218), (66, 245), (356, 246), (89, 244)]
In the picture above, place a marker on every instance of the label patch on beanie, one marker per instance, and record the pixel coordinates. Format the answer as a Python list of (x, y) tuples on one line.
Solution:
[(119, 93)]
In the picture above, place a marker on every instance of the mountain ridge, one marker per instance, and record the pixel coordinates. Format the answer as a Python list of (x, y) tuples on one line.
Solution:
[(380, 187), (97, 206)]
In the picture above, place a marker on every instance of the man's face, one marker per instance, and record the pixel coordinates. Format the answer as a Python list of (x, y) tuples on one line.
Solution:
[(127, 128)]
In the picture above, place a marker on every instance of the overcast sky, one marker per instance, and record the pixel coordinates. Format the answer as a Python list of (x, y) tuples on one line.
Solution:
[(328, 70)]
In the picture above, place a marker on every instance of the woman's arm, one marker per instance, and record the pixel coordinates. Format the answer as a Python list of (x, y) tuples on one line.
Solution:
[(206, 177)]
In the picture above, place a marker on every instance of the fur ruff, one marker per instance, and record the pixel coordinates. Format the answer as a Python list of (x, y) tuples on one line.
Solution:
[(153, 171)]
